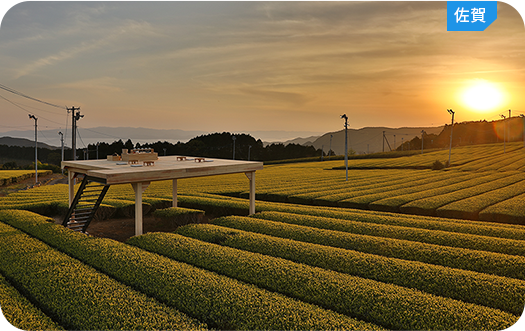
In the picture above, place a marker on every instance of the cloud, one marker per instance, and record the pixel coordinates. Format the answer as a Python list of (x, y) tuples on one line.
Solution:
[(122, 36), (101, 84), (276, 56), (295, 99)]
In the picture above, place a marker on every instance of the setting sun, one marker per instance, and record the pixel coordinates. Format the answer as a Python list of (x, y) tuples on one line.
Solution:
[(482, 96)]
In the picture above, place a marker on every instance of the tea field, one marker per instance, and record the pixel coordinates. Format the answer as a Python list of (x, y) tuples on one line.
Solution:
[(13, 176), (399, 246)]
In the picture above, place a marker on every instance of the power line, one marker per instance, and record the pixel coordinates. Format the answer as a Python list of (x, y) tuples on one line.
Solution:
[(42, 134), (27, 111), (14, 104), (9, 89), (82, 141), (34, 108), (104, 134)]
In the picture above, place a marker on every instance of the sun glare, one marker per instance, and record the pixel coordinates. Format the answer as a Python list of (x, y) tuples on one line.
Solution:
[(482, 96)]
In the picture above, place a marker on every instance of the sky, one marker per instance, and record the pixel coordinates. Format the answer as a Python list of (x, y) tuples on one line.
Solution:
[(254, 66)]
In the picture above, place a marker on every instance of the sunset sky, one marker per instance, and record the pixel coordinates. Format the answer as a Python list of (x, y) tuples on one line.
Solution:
[(251, 66)]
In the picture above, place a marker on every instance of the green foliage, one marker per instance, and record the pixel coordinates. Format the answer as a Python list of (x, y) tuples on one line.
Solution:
[(498, 292), (73, 294), (373, 201), (479, 261), (376, 188), (126, 208), (469, 208), (391, 306), (20, 312), (14, 176), (443, 238), (507, 211), (426, 204), (45, 166), (9, 166), (220, 301), (179, 216), (215, 206), (437, 165), (401, 198)]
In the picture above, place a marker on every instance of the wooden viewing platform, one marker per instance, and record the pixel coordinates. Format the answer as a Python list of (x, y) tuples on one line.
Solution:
[(111, 172)]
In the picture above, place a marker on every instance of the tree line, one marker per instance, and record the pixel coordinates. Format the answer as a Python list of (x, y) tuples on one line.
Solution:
[(215, 145)]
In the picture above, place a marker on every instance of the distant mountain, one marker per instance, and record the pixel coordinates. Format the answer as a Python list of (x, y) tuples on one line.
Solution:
[(143, 135), (299, 141), (284, 137), (370, 139), (109, 135), (22, 142)]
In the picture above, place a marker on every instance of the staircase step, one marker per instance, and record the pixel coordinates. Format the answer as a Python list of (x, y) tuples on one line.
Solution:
[(84, 207), (80, 212), (79, 218), (85, 211), (70, 224), (85, 203)]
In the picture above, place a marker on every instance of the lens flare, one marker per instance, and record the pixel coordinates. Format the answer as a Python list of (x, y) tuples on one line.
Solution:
[(482, 96)]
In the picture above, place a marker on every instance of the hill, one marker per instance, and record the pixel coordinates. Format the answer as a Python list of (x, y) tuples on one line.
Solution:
[(370, 139), (148, 135), (22, 142)]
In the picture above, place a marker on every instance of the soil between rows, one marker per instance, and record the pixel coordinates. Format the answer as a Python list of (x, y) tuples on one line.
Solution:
[(120, 229)]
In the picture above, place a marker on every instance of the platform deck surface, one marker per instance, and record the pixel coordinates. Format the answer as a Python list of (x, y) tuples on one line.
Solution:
[(166, 167)]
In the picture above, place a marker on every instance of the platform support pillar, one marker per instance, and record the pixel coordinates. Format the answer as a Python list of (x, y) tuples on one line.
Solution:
[(139, 188), (251, 177)]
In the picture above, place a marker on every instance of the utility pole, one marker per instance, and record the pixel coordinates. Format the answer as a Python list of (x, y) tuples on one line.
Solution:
[(346, 144), (330, 152), (62, 147), (75, 118), (450, 111), (249, 150), (36, 149), (402, 144), (504, 132), (233, 138), (383, 141), (394, 142)]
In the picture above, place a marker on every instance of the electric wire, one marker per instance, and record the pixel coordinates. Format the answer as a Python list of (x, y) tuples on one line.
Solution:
[(27, 111), (78, 134), (12, 90), (104, 134)]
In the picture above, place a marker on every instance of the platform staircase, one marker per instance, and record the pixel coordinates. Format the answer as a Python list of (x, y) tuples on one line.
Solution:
[(85, 204)]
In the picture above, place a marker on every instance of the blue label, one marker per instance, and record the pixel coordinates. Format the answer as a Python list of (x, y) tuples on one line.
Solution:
[(471, 15)]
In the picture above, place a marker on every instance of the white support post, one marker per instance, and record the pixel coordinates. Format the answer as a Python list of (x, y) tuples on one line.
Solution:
[(174, 193), (139, 188), (251, 177)]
